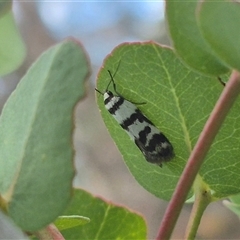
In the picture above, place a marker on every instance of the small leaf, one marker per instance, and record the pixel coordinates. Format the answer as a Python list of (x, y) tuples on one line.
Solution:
[(108, 221), (233, 204), (65, 222), (220, 21), (5, 6), (178, 102), (187, 39), (36, 126), (12, 48)]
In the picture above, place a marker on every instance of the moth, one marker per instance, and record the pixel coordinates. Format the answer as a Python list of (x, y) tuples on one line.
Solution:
[(153, 144)]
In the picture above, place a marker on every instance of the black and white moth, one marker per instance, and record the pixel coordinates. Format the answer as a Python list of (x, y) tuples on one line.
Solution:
[(154, 145)]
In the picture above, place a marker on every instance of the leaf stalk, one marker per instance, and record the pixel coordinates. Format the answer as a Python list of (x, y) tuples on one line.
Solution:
[(203, 198)]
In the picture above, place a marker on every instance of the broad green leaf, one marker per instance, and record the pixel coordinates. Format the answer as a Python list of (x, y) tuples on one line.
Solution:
[(187, 39), (220, 21), (36, 126), (108, 221), (5, 6), (178, 102), (65, 222), (233, 204), (12, 49)]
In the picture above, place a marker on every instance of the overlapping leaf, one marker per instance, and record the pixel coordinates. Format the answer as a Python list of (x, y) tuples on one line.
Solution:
[(107, 221), (219, 22), (12, 48), (36, 128), (187, 38)]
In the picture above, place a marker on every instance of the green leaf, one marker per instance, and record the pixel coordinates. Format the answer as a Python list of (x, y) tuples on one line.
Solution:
[(187, 39), (220, 21), (12, 49), (5, 6), (65, 222), (233, 204), (178, 102), (108, 221), (36, 126)]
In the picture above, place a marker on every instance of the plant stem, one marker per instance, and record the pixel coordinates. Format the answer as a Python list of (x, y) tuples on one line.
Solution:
[(49, 233), (211, 128), (202, 199)]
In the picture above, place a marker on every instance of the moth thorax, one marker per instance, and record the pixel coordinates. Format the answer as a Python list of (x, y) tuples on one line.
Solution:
[(107, 94)]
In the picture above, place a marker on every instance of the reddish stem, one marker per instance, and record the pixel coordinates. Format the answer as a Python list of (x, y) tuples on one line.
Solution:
[(211, 128), (49, 233)]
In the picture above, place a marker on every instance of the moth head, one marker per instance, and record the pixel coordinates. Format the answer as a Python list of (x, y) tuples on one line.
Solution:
[(107, 95)]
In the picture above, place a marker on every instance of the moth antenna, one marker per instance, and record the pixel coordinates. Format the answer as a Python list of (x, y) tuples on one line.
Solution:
[(98, 91), (112, 80), (114, 85), (117, 68), (221, 81)]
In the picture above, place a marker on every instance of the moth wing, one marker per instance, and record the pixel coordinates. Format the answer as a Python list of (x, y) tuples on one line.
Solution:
[(151, 157), (163, 152)]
